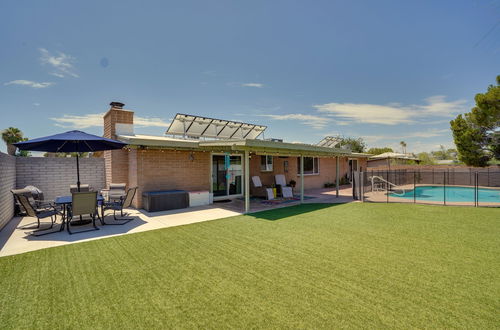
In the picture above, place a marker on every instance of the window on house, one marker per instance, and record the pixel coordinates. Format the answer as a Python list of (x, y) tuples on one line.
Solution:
[(311, 165), (266, 163)]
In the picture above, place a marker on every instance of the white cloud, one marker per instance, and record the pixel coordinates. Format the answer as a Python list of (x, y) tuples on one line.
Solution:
[(431, 133), (36, 104), (29, 83), (96, 120), (317, 122), (255, 85), (150, 122), (61, 63), (391, 114)]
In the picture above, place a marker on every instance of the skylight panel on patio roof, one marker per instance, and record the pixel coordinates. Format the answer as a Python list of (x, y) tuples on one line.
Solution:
[(195, 126), (329, 141)]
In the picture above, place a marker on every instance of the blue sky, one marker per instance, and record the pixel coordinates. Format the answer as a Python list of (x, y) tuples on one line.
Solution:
[(383, 70)]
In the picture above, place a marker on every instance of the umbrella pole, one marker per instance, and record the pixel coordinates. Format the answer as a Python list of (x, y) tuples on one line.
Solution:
[(77, 169)]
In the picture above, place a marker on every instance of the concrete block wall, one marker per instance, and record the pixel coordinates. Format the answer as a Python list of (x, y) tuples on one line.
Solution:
[(54, 175), (7, 182)]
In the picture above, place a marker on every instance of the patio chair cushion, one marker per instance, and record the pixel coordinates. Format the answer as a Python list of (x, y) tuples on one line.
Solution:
[(287, 192), (270, 193), (256, 181), (280, 179)]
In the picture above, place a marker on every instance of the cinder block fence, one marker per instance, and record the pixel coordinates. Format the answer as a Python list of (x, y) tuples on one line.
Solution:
[(52, 175)]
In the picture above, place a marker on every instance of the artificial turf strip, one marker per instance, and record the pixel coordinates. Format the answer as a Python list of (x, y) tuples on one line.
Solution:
[(350, 265)]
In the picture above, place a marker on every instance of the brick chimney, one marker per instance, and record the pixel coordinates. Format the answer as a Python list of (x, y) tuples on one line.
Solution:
[(116, 115), (116, 161)]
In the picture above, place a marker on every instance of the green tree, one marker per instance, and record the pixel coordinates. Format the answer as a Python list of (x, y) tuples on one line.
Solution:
[(426, 158), (477, 133), (403, 146), (378, 151), (12, 135), (66, 154), (23, 153), (353, 144), (444, 153)]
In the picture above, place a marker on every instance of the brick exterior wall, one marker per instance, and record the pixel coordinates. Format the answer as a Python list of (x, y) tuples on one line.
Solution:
[(155, 169), (7, 182), (327, 171), (54, 175)]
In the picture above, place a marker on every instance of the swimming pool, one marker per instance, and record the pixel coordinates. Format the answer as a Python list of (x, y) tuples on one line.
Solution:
[(453, 194)]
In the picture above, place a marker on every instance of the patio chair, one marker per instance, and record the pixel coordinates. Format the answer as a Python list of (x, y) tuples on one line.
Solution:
[(38, 213), (122, 203), (116, 191), (35, 197), (83, 203), (284, 190), (257, 189), (83, 188)]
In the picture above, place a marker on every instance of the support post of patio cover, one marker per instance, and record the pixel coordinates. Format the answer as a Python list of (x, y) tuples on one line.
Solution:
[(301, 179), (337, 180), (247, 181)]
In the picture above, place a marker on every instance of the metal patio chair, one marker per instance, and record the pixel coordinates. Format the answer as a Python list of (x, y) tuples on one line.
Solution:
[(35, 197), (122, 203), (38, 213), (116, 191), (83, 188), (83, 203)]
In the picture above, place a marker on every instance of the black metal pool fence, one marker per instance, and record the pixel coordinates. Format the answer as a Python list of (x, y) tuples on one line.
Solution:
[(467, 187)]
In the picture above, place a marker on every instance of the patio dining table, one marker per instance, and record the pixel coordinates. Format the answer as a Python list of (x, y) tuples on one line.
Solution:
[(65, 201)]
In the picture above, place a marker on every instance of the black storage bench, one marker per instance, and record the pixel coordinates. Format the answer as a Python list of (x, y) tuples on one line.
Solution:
[(154, 201)]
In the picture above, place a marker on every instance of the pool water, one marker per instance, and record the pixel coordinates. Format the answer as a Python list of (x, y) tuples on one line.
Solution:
[(453, 194)]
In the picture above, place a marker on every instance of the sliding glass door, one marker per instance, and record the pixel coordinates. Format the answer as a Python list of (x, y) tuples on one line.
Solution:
[(227, 175)]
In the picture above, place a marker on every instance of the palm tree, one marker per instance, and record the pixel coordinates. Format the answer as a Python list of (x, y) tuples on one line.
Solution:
[(403, 146), (12, 135)]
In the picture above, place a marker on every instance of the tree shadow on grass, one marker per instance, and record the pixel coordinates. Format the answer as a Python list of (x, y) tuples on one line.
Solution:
[(285, 212)]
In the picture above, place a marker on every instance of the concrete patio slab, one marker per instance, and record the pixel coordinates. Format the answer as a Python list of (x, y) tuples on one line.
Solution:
[(15, 238)]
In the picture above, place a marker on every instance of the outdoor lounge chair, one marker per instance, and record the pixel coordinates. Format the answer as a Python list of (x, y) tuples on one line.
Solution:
[(122, 203), (83, 203), (38, 213), (257, 189), (284, 190)]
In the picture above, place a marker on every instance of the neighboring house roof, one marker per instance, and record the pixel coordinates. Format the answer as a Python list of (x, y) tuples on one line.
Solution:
[(393, 155), (253, 145)]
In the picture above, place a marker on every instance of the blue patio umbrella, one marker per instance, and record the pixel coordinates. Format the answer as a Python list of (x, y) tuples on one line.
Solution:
[(71, 141)]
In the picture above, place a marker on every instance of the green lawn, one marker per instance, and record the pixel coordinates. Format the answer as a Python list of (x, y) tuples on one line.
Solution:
[(315, 266)]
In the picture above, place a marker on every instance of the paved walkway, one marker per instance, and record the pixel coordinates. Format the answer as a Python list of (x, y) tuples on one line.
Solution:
[(14, 239)]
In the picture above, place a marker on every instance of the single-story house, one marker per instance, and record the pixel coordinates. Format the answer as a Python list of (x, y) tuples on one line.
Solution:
[(217, 156), (392, 158)]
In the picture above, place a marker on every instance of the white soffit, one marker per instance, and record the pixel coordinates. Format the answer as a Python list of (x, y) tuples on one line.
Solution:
[(195, 126)]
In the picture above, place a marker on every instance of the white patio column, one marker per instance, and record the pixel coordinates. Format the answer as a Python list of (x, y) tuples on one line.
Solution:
[(301, 179), (337, 181), (247, 181)]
